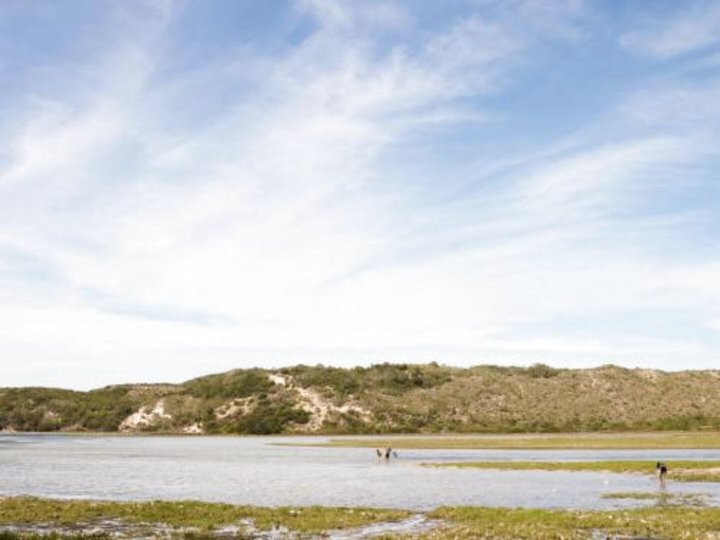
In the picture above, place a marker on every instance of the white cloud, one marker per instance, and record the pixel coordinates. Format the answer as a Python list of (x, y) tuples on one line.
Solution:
[(280, 230), (678, 105), (474, 41), (697, 283), (693, 28), (346, 15), (598, 178)]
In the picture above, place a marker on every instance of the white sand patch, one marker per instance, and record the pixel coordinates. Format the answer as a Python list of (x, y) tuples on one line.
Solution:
[(310, 400), (321, 408), (193, 429), (276, 378), (145, 417)]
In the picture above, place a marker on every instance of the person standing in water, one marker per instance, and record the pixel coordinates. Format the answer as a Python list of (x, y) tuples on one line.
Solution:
[(662, 470), (388, 452)]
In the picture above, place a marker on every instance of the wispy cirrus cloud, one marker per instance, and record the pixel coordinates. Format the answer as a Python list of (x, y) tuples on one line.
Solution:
[(693, 27), (353, 190)]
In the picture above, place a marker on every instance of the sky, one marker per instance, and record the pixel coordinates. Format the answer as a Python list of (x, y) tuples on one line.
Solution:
[(188, 187)]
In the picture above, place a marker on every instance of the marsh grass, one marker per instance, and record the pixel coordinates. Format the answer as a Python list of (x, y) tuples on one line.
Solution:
[(683, 471), (9, 535), (502, 523), (560, 441), (460, 523), (662, 498), (188, 514)]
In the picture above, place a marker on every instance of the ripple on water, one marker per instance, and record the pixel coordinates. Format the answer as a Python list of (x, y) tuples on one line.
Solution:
[(255, 471)]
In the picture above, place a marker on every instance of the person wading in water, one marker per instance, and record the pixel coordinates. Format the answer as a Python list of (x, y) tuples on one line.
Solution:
[(662, 470)]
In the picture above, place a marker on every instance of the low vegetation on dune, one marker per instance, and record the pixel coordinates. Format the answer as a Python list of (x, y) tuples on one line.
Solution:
[(382, 399)]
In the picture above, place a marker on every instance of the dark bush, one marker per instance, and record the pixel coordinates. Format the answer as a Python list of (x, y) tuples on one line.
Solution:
[(270, 418)]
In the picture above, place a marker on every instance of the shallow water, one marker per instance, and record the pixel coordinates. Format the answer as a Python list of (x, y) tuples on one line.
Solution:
[(254, 470)]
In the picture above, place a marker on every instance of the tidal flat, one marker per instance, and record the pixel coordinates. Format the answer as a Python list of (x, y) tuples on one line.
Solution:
[(681, 471), (22, 517), (663, 440)]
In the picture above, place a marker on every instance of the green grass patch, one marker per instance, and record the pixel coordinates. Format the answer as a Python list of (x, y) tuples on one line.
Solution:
[(9, 535), (662, 498), (560, 441), (659, 521), (188, 514), (684, 471), (504, 523)]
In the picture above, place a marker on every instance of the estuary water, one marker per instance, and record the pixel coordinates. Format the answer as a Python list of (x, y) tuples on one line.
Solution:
[(259, 471)]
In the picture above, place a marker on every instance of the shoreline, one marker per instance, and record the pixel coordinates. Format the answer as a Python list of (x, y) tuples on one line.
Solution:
[(649, 440), (641, 440)]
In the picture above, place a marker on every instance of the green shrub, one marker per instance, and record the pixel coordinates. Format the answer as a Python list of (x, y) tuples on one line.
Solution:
[(235, 384), (541, 371), (269, 418)]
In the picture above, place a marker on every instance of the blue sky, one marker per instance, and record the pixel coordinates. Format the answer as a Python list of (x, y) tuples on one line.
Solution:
[(189, 187)]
